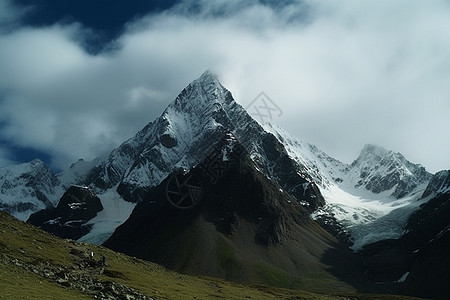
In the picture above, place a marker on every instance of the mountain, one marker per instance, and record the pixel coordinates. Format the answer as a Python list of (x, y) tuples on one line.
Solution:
[(362, 202), (27, 188), (379, 170), (372, 201), (181, 137), (242, 227), (366, 201)]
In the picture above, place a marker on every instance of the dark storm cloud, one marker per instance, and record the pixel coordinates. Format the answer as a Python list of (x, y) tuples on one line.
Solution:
[(344, 74)]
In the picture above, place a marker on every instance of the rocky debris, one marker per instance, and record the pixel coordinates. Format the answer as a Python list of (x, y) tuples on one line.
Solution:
[(68, 220), (82, 276)]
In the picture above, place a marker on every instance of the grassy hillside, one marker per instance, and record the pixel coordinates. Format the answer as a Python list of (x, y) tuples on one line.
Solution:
[(37, 265)]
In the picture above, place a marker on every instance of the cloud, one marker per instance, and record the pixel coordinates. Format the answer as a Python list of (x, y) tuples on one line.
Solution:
[(345, 73), (5, 158)]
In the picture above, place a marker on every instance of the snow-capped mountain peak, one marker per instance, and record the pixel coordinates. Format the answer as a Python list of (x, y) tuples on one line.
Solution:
[(204, 93), (28, 187), (199, 116), (378, 170), (371, 153), (202, 111)]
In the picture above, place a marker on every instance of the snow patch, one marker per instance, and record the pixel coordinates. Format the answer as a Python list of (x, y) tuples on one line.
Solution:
[(115, 212), (403, 278)]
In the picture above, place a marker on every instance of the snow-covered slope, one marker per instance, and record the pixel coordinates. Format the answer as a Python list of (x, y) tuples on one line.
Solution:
[(322, 168), (27, 188), (174, 140), (370, 199)]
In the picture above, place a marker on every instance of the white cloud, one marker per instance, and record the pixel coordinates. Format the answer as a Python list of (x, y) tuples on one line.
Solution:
[(345, 73)]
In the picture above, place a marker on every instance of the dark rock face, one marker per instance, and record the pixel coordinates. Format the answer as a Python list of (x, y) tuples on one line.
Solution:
[(77, 206), (168, 141), (241, 202), (422, 251)]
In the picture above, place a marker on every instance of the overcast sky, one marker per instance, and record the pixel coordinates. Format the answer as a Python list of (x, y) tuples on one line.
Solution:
[(345, 73)]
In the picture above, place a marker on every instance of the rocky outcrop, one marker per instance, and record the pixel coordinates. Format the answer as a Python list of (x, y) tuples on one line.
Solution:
[(68, 220)]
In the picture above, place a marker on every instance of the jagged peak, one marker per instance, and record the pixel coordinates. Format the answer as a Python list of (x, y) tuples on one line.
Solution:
[(206, 89), (203, 97)]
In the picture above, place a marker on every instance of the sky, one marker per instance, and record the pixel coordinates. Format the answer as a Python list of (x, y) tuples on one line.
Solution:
[(77, 78)]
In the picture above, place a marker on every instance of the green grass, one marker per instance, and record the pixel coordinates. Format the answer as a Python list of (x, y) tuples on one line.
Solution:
[(30, 245)]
